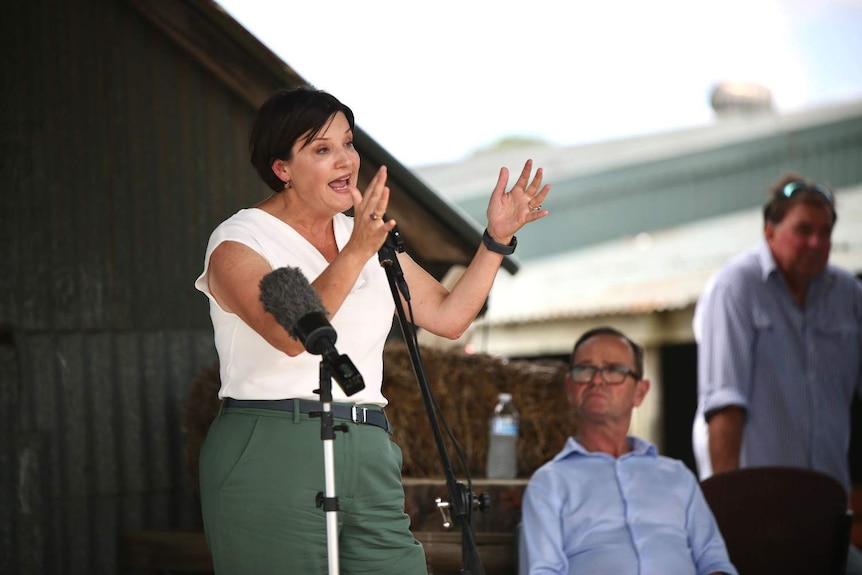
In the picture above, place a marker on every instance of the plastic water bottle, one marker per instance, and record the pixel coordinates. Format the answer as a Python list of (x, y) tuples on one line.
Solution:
[(503, 440)]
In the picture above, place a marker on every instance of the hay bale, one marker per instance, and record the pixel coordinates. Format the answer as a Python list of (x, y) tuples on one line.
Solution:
[(464, 386), (201, 408)]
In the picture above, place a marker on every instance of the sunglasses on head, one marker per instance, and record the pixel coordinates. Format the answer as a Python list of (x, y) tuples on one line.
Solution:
[(799, 186)]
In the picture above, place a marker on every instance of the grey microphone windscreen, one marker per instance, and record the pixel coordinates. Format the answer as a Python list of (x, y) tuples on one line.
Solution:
[(287, 295)]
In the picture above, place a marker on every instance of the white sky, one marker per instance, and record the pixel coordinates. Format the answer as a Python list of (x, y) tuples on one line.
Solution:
[(434, 81)]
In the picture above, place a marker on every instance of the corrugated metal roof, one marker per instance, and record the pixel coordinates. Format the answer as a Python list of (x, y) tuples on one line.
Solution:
[(476, 176), (647, 273), (608, 190)]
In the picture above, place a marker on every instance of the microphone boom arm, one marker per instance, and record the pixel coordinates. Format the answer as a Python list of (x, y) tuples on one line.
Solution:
[(461, 499)]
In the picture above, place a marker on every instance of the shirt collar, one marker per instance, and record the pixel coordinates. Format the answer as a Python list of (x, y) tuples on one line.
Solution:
[(767, 262), (638, 447)]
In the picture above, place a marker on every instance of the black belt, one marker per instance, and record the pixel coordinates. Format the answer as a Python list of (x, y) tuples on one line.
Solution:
[(339, 411)]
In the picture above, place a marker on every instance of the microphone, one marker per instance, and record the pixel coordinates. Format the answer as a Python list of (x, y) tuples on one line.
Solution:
[(286, 294), (394, 240), (394, 243)]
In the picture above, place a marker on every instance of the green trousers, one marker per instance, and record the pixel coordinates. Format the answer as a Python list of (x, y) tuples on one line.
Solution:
[(261, 471)]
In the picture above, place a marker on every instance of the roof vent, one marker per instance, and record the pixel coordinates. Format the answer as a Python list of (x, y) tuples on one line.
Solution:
[(735, 99)]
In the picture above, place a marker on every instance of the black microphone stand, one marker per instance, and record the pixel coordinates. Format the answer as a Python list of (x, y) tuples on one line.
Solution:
[(461, 500)]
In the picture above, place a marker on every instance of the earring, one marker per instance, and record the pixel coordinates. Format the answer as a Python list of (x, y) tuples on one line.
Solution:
[(287, 185)]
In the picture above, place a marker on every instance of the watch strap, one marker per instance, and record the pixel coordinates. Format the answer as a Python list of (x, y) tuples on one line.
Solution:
[(497, 247)]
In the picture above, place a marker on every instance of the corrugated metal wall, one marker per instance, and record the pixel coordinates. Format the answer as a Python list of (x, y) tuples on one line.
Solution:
[(640, 198), (97, 429), (119, 156)]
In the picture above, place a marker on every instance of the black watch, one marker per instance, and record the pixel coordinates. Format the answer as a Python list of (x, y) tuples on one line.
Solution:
[(499, 248)]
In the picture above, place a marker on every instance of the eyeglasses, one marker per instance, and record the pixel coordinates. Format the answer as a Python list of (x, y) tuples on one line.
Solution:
[(611, 374), (798, 186)]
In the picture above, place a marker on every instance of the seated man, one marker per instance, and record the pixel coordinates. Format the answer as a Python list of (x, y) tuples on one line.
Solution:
[(608, 503)]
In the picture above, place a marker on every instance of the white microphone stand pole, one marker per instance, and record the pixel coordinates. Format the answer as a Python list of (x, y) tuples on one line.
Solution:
[(327, 499)]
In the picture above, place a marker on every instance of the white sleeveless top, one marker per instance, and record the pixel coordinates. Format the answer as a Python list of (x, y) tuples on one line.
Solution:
[(250, 367)]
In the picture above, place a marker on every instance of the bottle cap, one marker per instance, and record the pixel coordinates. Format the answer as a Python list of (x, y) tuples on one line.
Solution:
[(505, 397)]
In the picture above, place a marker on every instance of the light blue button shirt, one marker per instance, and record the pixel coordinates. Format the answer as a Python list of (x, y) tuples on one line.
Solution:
[(793, 369), (640, 514)]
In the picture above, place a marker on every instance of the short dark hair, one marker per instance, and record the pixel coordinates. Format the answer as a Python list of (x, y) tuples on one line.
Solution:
[(778, 204), (286, 117), (606, 330)]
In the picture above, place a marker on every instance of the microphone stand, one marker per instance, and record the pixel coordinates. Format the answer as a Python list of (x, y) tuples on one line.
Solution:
[(461, 500), (327, 499), (342, 369), (318, 337)]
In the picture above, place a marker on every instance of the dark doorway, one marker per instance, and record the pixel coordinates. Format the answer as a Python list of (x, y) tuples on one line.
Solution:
[(856, 443), (679, 400), (856, 437)]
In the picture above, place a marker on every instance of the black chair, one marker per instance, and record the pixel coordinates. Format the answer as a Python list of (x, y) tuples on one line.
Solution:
[(781, 520)]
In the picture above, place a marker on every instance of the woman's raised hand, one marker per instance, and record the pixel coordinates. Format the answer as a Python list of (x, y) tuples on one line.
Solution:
[(510, 211)]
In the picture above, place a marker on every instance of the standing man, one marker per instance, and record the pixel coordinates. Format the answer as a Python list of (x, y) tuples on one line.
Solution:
[(779, 334), (608, 503)]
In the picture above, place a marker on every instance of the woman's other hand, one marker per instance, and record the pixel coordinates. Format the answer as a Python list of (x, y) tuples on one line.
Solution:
[(369, 229)]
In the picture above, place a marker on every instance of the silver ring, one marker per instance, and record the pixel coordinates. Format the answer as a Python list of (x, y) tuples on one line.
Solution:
[(537, 208)]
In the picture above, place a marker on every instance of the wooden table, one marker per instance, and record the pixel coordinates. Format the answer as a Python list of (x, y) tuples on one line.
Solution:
[(186, 551)]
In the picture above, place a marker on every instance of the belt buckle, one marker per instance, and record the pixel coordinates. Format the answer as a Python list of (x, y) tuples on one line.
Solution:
[(355, 413)]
